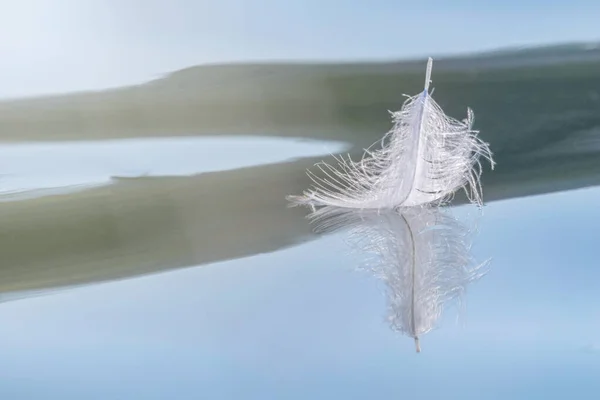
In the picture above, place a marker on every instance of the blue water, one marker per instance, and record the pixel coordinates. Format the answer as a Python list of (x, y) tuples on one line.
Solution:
[(286, 314), (304, 323), (32, 169)]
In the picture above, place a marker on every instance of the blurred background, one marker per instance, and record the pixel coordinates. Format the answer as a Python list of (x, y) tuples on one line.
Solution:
[(139, 138)]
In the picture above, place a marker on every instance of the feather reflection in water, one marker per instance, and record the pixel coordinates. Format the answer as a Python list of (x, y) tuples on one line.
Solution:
[(422, 255)]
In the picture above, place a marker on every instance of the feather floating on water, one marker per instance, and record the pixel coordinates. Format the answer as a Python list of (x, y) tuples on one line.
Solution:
[(422, 255), (423, 160)]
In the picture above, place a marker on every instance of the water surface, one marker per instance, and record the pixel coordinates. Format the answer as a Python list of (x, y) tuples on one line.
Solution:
[(303, 322), (71, 166), (171, 268)]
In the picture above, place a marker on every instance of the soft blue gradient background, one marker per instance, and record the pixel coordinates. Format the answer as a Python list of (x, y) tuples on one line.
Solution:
[(51, 46), (301, 323)]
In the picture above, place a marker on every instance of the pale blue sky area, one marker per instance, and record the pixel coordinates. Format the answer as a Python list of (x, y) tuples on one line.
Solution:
[(302, 323), (65, 45)]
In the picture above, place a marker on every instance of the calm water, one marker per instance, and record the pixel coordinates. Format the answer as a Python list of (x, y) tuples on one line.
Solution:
[(138, 265), (38, 168), (301, 321)]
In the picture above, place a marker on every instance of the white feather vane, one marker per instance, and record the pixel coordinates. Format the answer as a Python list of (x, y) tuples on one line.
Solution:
[(422, 255), (423, 160)]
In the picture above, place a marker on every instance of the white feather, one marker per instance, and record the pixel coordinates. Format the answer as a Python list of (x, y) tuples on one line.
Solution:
[(423, 160), (422, 254)]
